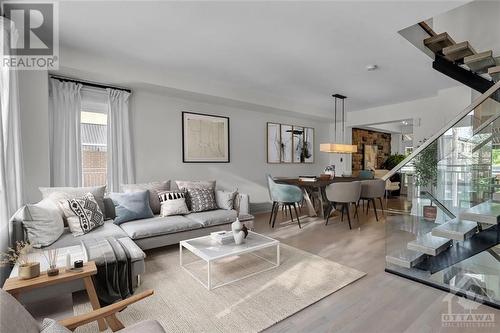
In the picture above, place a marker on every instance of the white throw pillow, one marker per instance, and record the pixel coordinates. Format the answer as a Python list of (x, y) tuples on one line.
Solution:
[(43, 222), (174, 207), (225, 199), (83, 214)]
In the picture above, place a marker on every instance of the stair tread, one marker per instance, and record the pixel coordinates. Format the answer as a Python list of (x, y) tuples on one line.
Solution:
[(429, 244), (456, 229), (486, 212), (480, 62), (405, 258), (494, 70), (458, 51), (438, 42)]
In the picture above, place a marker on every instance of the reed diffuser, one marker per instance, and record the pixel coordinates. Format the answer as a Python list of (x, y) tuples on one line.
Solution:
[(51, 256)]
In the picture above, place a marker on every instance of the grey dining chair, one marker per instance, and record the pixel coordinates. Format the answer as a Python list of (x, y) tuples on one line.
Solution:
[(371, 190), (344, 193), (286, 196)]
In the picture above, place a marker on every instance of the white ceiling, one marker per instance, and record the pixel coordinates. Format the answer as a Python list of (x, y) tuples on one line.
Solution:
[(287, 55)]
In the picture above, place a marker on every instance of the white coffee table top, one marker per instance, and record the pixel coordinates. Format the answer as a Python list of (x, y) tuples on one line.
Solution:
[(208, 249)]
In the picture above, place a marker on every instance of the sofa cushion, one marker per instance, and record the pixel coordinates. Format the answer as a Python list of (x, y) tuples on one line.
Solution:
[(42, 221), (83, 214), (213, 217), (131, 206), (154, 188), (57, 194), (185, 184), (201, 199), (106, 230), (158, 225)]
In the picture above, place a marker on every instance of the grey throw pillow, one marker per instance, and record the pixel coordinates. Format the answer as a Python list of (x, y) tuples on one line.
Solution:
[(225, 199), (154, 188), (56, 194), (43, 222), (83, 214), (131, 206), (201, 199), (52, 326), (185, 184)]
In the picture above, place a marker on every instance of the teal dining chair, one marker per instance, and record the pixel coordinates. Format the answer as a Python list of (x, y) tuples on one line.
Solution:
[(366, 174), (286, 196)]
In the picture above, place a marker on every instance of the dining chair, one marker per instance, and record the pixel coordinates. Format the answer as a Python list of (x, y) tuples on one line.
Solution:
[(371, 190), (286, 196), (344, 193), (365, 174)]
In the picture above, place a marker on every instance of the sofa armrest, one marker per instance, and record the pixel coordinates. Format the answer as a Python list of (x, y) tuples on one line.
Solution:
[(16, 231), (242, 204)]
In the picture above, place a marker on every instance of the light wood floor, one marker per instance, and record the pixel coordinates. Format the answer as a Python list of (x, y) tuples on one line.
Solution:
[(379, 302)]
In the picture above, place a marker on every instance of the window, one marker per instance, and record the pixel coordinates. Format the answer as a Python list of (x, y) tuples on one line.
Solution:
[(94, 121)]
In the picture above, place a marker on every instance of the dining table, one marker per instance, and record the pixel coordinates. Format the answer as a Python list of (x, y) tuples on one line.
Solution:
[(315, 188)]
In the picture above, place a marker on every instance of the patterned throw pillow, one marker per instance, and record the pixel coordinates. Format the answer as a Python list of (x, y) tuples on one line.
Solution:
[(171, 195), (173, 203), (201, 199), (83, 214)]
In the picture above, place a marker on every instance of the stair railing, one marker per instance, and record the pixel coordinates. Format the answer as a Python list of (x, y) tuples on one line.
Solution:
[(478, 101)]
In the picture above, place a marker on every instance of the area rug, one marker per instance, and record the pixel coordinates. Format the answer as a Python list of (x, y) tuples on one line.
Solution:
[(182, 304)]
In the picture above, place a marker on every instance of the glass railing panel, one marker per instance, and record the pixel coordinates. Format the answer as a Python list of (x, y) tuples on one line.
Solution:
[(458, 169)]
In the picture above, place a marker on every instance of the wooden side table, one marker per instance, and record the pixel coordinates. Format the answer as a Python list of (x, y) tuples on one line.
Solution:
[(16, 286)]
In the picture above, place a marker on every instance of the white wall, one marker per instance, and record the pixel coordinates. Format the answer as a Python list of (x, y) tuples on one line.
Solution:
[(33, 95), (477, 22), (157, 131), (428, 114)]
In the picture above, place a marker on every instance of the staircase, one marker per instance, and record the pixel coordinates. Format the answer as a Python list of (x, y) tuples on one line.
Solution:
[(460, 61), (456, 232)]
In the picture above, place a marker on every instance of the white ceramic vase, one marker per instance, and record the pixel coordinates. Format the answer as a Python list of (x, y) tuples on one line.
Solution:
[(239, 237), (238, 234)]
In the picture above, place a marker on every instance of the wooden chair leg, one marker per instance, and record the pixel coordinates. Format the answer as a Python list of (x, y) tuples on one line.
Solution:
[(375, 208), (272, 213), (298, 220), (348, 215)]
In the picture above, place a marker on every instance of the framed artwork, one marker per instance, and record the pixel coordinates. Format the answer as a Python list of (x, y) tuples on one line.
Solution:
[(205, 138), (289, 144), (308, 149), (286, 146), (273, 143), (370, 157), (298, 143)]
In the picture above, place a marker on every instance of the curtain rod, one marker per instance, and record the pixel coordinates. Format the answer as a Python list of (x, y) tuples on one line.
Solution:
[(88, 83)]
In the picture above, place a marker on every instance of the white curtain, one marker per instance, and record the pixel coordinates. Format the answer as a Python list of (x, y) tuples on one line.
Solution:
[(11, 162), (120, 158), (64, 126)]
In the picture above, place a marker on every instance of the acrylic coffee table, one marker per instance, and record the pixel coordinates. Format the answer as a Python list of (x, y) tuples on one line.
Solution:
[(209, 251)]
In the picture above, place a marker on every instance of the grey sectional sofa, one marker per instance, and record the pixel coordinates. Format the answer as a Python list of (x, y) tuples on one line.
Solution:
[(146, 234)]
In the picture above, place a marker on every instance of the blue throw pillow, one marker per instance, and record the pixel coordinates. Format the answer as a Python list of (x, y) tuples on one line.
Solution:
[(131, 206)]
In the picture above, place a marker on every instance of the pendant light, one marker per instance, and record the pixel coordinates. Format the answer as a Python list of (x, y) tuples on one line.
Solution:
[(339, 146)]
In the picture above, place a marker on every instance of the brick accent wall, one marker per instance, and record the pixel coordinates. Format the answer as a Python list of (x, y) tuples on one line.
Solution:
[(360, 137)]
